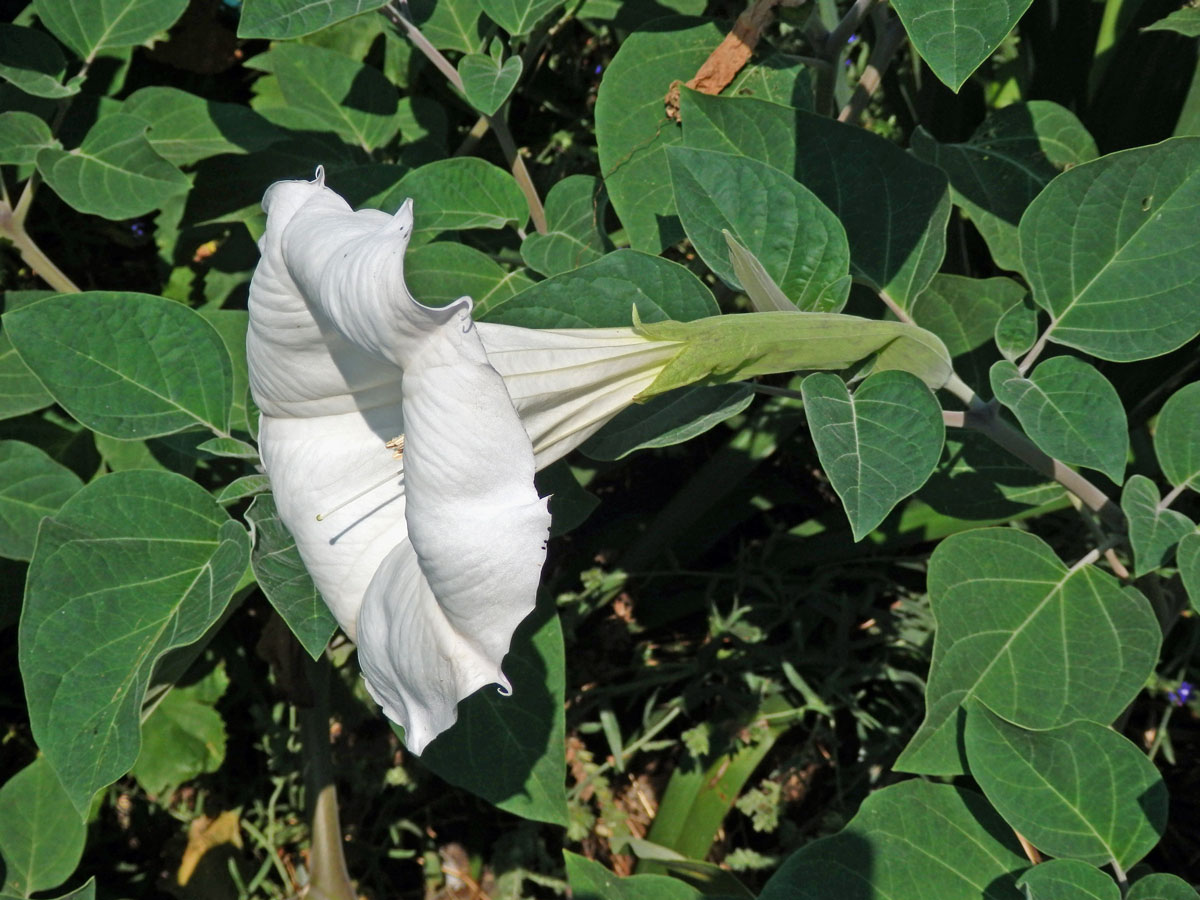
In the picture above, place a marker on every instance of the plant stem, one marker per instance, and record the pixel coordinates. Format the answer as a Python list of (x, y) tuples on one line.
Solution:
[(896, 308), (840, 34), (328, 877), (497, 123), (31, 253), (886, 45), (1036, 350)]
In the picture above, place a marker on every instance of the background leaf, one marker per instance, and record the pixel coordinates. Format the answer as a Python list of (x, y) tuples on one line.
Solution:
[(114, 173), (1153, 532), (278, 19), (126, 365), (632, 128), (284, 579), (1187, 555), (1109, 248), (20, 390), (1068, 879), (510, 750), (1177, 437), (1069, 410), (22, 135), (32, 485), (459, 193), (955, 36), (1017, 330), (450, 24), (1161, 886), (33, 61), (882, 852), (41, 834), (321, 90), (486, 82), (877, 446), (1005, 163), (89, 26), (185, 129), (443, 271), (575, 209), (893, 206), (667, 420), (149, 561), (1045, 784), (1009, 614), (591, 881), (799, 242), (518, 17), (604, 293)]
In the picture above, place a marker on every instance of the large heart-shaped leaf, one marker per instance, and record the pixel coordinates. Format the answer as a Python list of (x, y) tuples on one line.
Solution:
[(460, 193), (518, 17), (126, 365), (149, 561), (797, 240), (877, 446), (443, 271), (1069, 410), (509, 749), (1040, 644), (1046, 785), (114, 173), (1153, 531), (89, 26), (185, 128), (893, 206), (278, 19), (1110, 248), (486, 82), (885, 851), (956, 36), (281, 575)]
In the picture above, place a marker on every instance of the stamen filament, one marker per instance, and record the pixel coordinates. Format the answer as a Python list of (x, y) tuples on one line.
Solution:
[(321, 517)]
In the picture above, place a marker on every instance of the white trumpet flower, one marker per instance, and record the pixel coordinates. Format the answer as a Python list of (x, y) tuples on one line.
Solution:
[(401, 442)]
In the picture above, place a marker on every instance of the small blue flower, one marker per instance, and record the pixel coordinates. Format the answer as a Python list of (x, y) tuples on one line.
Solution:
[(138, 229), (1180, 696), (852, 39)]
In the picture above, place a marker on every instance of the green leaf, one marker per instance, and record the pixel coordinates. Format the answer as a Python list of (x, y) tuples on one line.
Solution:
[(1080, 791), (1187, 557), (570, 504), (1110, 249), (592, 881), (148, 560), (22, 135), (893, 206), (41, 834), (89, 26), (1177, 437), (877, 446), (730, 348), (312, 88), (1153, 531), (32, 61), (512, 750), (20, 390), (32, 485), (231, 448), (1041, 644), (443, 271), (779, 78), (240, 488), (800, 244), (126, 365), (575, 210), (1070, 410), (231, 325), (185, 129), (602, 294), (114, 173), (632, 128), (284, 579), (460, 193), (978, 481), (450, 24), (964, 312), (1161, 886), (278, 19), (518, 17), (184, 736), (955, 36), (486, 83), (632, 16), (1185, 21), (668, 420), (888, 851), (995, 174), (1016, 330), (1067, 879)]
